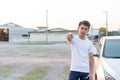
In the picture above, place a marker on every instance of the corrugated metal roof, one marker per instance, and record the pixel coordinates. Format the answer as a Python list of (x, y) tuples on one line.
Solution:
[(10, 24)]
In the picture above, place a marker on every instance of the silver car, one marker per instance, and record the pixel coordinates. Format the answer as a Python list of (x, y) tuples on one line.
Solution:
[(107, 62)]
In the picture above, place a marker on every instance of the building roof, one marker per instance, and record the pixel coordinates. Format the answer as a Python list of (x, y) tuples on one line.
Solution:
[(41, 27), (10, 24), (17, 28), (57, 29), (50, 30)]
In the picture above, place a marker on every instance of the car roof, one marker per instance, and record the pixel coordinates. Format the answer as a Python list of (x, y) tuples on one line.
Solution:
[(111, 37), (108, 37)]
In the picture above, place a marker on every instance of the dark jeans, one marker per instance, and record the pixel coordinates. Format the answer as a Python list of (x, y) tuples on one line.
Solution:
[(78, 75)]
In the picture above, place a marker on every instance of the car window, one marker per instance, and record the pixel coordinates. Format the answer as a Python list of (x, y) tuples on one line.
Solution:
[(112, 48)]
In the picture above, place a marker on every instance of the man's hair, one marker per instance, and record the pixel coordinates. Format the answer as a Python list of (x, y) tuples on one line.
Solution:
[(86, 23)]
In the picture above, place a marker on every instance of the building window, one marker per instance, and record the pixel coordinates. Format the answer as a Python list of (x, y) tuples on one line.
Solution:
[(25, 35)]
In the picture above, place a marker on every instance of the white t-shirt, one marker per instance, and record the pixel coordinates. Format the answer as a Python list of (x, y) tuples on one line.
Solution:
[(79, 54)]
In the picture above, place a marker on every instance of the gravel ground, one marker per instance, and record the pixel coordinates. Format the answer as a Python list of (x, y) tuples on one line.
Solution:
[(18, 60), (34, 62)]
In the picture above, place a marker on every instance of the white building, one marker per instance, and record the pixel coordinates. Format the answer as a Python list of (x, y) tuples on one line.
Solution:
[(55, 35), (14, 32), (93, 32)]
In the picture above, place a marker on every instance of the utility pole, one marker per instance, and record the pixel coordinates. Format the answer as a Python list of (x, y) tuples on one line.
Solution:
[(46, 26), (91, 30), (106, 23)]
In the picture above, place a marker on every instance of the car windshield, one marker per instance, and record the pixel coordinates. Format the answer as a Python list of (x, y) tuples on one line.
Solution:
[(112, 48)]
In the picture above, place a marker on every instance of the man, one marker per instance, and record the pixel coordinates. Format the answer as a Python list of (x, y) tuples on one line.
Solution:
[(82, 61)]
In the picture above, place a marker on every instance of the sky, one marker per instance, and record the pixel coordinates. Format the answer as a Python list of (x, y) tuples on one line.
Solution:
[(61, 13)]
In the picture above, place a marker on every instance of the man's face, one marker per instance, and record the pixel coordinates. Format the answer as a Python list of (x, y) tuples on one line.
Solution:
[(83, 30)]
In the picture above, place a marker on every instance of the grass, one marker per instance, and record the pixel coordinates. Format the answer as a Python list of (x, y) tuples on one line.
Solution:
[(51, 51), (48, 52), (65, 72), (37, 73), (5, 70), (25, 54), (40, 42)]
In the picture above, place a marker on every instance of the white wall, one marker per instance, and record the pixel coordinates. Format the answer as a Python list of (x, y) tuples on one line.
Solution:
[(19, 40), (93, 32), (15, 33), (51, 37), (56, 36), (37, 37)]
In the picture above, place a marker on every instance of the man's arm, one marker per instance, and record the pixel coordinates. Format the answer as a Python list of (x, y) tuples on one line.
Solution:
[(69, 37), (91, 63)]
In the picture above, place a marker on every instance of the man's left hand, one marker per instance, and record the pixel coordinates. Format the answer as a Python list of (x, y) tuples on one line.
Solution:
[(90, 77)]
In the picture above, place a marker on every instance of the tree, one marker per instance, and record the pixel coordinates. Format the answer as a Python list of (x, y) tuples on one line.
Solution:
[(102, 31), (113, 33)]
